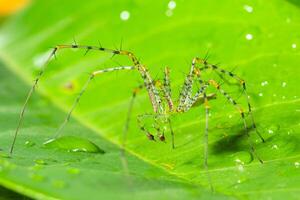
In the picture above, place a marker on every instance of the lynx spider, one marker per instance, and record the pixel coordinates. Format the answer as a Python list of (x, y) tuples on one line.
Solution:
[(159, 94)]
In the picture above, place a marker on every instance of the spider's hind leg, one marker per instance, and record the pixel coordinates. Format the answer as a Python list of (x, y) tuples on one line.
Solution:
[(242, 84), (207, 108), (242, 113)]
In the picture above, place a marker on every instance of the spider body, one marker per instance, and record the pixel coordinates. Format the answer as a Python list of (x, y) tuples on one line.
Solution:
[(160, 96)]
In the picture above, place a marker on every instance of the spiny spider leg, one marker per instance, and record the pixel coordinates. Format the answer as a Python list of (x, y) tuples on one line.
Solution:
[(148, 82), (239, 108), (187, 86), (126, 128), (29, 96), (243, 85), (167, 89), (207, 108), (95, 73)]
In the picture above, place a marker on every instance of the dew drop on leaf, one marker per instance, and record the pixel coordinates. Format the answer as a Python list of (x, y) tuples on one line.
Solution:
[(242, 157), (73, 144)]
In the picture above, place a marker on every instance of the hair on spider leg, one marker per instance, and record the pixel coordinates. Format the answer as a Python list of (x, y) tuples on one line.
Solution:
[(207, 55), (121, 44), (100, 45)]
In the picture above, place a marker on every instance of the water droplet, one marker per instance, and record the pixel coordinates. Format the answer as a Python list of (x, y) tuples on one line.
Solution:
[(169, 13), (124, 15), (273, 128), (29, 143), (249, 36), (264, 83), (73, 144), (59, 184), (294, 46), (297, 164), (238, 181), (230, 116), (248, 8), (242, 157), (274, 146), (283, 84), (73, 171), (172, 5), (239, 164), (261, 94)]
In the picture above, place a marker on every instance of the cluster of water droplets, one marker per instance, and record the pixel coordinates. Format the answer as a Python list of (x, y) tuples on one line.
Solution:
[(171, 7)]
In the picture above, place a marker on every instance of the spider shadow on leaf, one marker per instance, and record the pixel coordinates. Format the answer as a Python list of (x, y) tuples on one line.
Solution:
[(232, 143)]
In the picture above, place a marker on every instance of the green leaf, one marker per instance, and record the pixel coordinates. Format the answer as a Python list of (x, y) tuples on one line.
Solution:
[(261, 38)]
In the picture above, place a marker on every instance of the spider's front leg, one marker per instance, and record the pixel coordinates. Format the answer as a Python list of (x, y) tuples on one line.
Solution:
[(84, 88)]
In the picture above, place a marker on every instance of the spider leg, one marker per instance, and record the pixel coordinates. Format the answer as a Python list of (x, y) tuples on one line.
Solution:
[(197, 95), (141, 124), (92, 76), (186, 90), (167, 89), (152, 91), (148, 82), (239, 108), (243, 85), (29, 96), (207, 108), (128, 118), (126, 127), (172, 133)]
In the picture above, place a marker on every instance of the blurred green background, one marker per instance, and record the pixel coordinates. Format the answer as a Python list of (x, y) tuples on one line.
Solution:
[(258, 39)]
